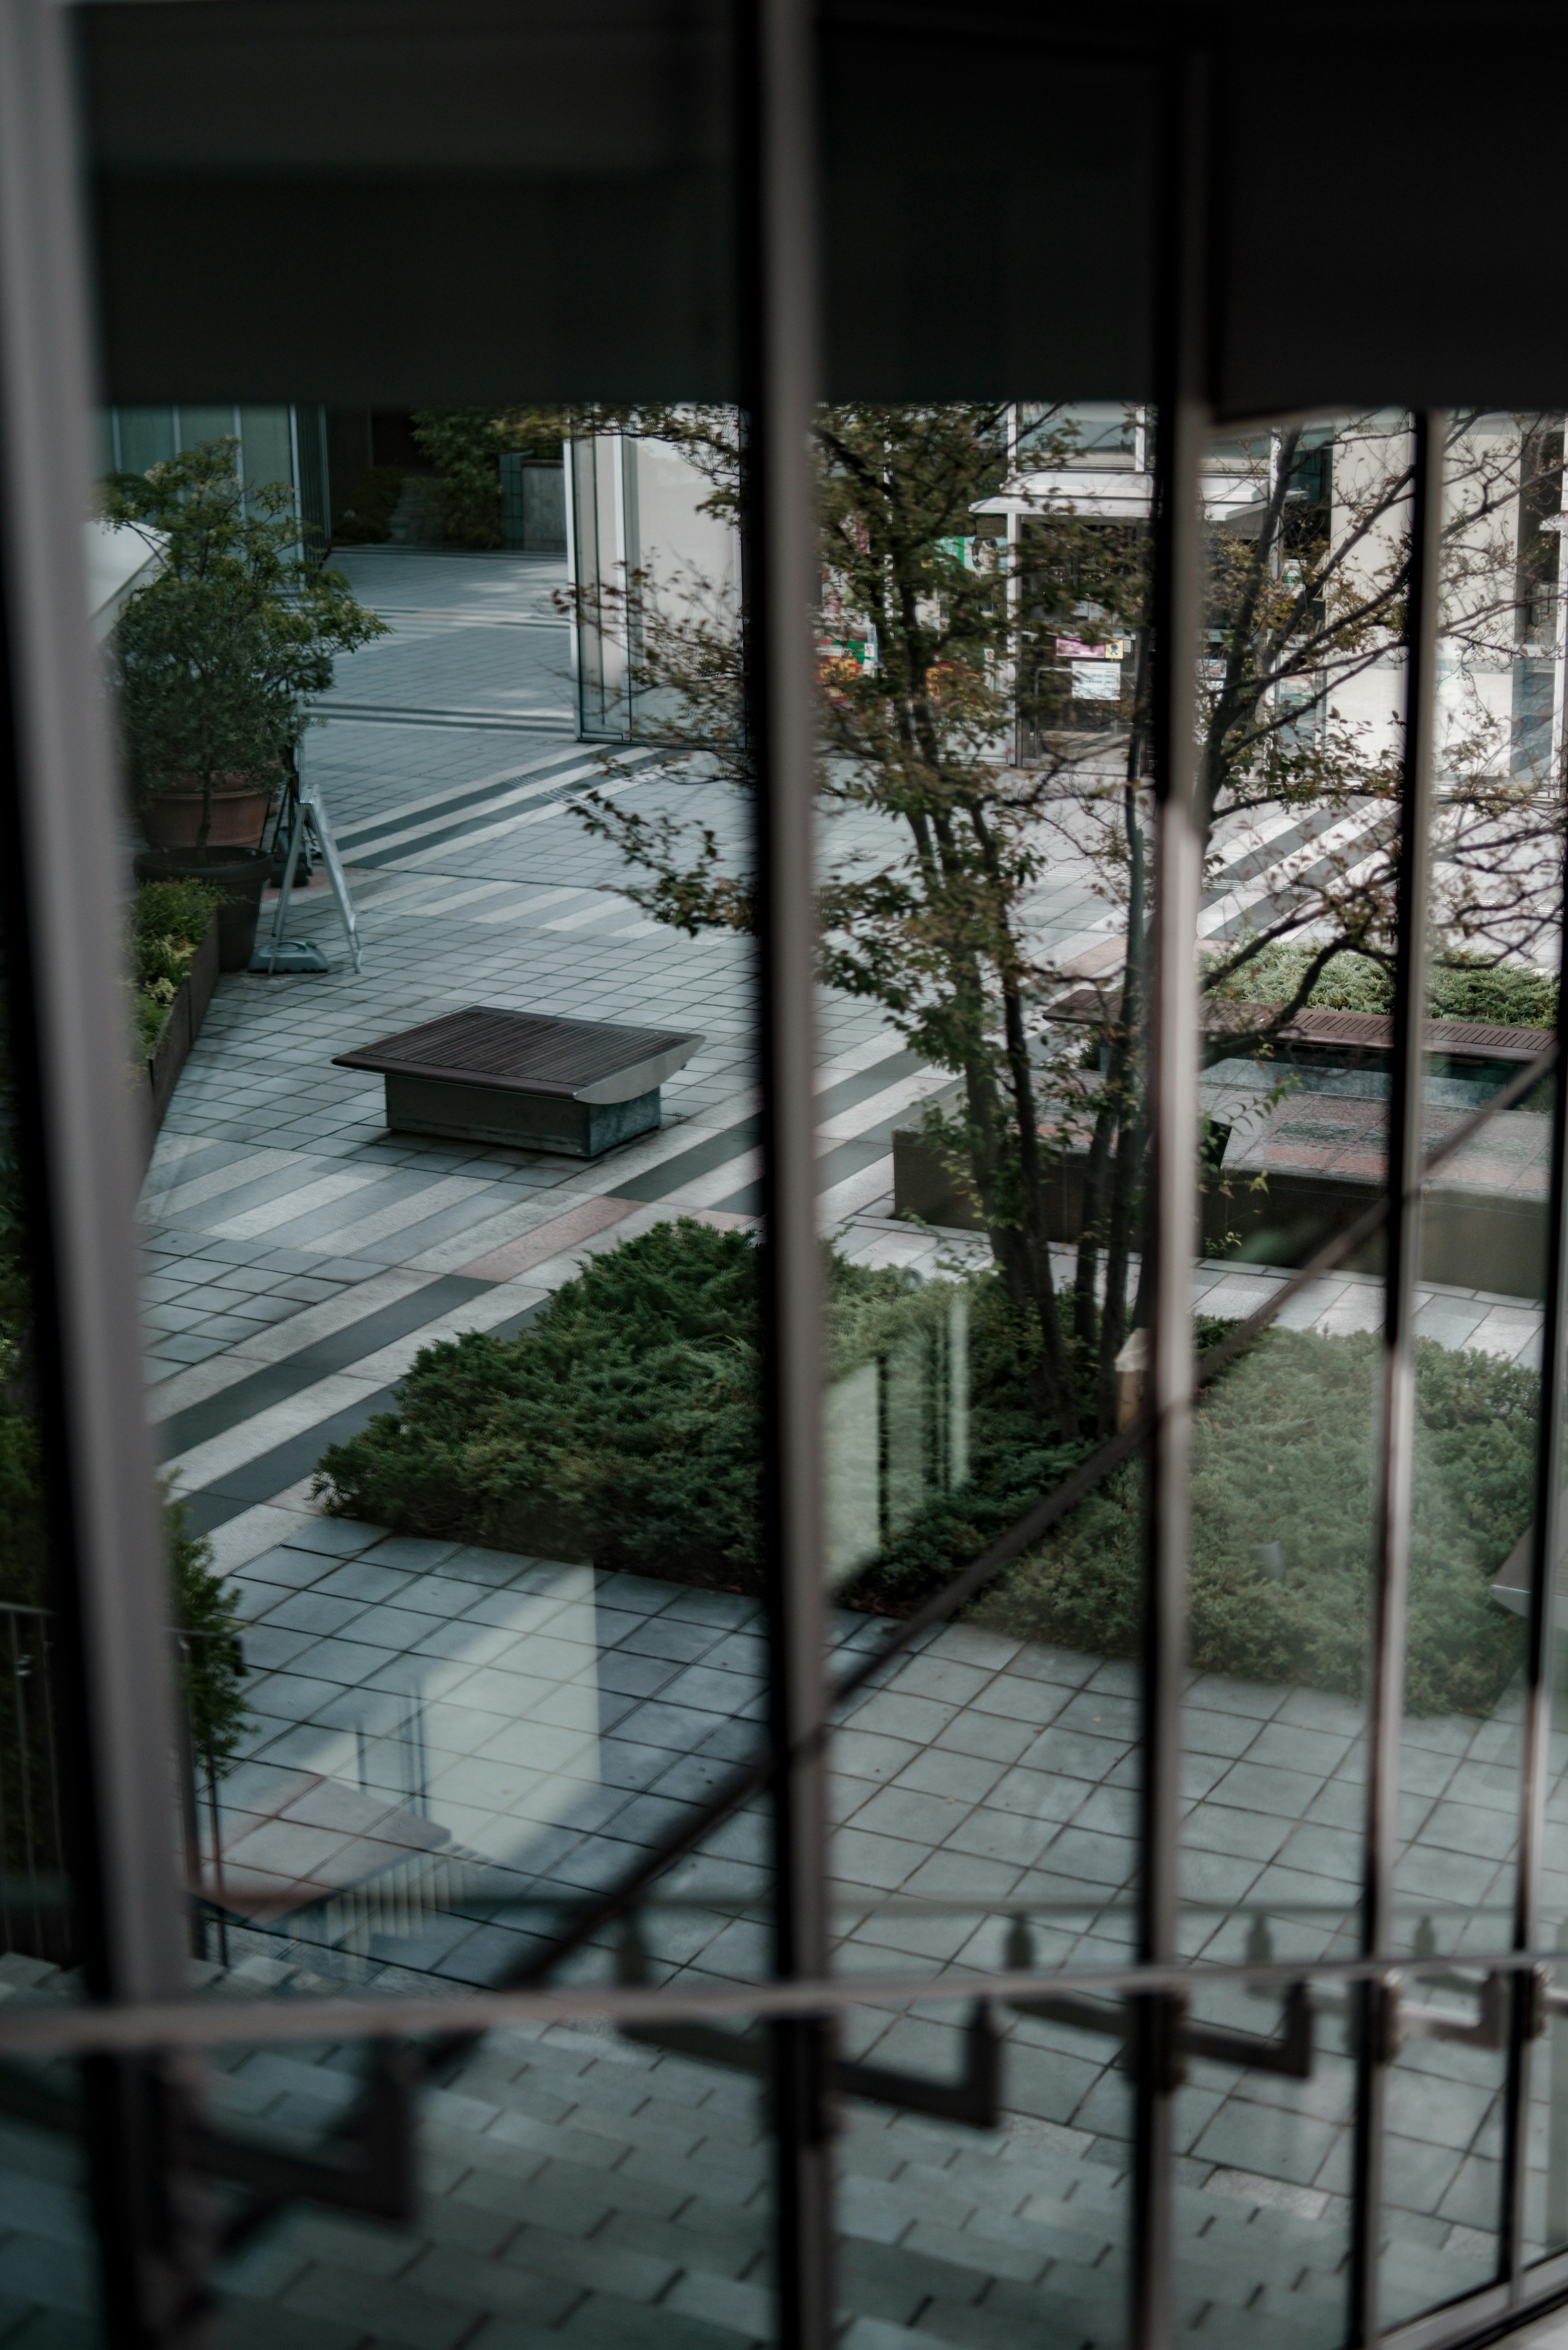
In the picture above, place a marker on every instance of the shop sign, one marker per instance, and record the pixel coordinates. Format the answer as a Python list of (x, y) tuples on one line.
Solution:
[(1077, 649)]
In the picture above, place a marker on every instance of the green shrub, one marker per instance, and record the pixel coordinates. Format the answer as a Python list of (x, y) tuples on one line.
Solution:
[(211, 1660), (625, 1425), (627, 1421), (1283, 1452), (365, 516), (167, 925), (1462, 986), (629, 1415)]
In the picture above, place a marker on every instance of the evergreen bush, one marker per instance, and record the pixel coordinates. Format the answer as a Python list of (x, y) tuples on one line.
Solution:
[(625, 1425), (1283, 1452)]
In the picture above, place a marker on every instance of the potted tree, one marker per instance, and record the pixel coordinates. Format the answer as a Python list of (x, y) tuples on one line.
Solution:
[(214, 660)]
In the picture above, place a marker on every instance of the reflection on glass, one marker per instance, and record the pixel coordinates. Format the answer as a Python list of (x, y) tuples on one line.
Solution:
[(1493, 917), (465, 1410), (576, 2181), (1443, 2160), (985, 894), (1018, 2231), (49, 2256), (1299, 698), (1262, 2215), (39, 1930)]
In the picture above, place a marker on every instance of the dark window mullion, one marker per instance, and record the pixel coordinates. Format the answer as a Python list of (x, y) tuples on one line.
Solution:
[(1397, 1402), (1548, 1470), (1183, 419), (777, 275), (66, 918)]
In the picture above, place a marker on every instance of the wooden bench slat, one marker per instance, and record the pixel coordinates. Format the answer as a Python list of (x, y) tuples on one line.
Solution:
[(527, 1052)]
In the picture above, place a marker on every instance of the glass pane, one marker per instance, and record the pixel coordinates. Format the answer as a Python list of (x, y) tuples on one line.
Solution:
[(453, 1361), (1494, 916), (49, 2258), (1263, 2207), (41, 1931), (1299, 699), (982, 807), (570, 2182), (976, 2236), (1443, 2157), (983, 860)]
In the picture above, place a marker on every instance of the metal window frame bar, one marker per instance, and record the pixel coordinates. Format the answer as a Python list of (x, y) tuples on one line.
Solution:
[(779, 306), (1550, 1467), (64, 929), (28, 2029), (1397, 1400), (1182, 422)]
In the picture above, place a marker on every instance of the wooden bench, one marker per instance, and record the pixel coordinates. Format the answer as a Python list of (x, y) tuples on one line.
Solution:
[(577, 1086)]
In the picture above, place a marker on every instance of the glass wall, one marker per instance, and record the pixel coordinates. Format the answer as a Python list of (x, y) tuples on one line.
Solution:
[(849, 1231)]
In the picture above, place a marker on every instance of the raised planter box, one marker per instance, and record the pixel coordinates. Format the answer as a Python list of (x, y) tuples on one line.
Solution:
[(1471, 1237), (573, 1086), (182, 1028)]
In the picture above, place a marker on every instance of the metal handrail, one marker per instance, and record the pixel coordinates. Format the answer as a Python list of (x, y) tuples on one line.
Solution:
[(28, 2026)]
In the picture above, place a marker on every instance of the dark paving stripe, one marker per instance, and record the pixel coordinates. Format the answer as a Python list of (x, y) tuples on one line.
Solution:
[(453, 835), (700, 1159), (849, 1091), (275, 1382), (835, 1166), (258, 1480), (286, 1464), (475, 797), (731, 1140)]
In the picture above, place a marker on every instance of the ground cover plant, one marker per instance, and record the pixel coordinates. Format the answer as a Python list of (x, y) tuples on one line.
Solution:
[(167, 921), (625, 1425), (1464, 986), (1285, 1453)]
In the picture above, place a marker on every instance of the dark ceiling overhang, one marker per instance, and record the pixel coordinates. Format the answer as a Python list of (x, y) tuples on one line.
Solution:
[(395, 203)]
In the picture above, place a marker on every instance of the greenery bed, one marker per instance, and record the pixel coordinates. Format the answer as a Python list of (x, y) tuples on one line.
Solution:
[(168, 922), (1284, 1453), (627, 1420), (1464, 987), (625, 1424)]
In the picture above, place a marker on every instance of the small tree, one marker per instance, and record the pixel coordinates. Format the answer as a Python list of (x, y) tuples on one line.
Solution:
[(214, 657), (937, 837)]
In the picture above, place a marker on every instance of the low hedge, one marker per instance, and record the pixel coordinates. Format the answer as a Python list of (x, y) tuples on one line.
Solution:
[(1462, 987), (167, 921), (1283, 1452), (625, 1424), (628, 1419)]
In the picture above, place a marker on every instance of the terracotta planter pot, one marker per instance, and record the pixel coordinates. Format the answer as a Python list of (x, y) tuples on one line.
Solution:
[(240, 873), (239, 811)]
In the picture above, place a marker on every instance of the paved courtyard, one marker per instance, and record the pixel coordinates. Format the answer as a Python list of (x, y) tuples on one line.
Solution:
[(515, 1731)]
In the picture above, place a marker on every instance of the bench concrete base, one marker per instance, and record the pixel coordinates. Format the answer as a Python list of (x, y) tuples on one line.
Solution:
[(476, 1113)]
